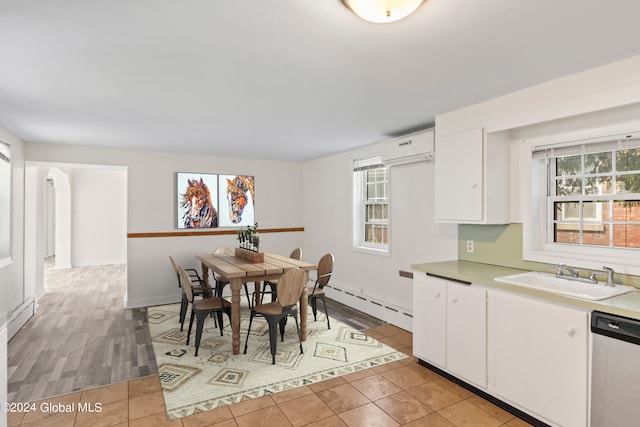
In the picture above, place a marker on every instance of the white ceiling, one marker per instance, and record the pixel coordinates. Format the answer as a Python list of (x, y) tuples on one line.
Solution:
[(280, 79)]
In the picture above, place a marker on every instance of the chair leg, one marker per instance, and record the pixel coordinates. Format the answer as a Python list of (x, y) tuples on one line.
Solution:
[(199, 326), (190, 326), (282, 323), (246, 342), (183, 310), (246, 291), (314, 307), (219, 321), (295, 317), (326, 313), (273, 336)]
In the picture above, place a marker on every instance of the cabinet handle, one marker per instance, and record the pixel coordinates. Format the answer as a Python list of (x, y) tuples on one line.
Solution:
[(454, 300), (571, 332), (474, 184), (436, 294)]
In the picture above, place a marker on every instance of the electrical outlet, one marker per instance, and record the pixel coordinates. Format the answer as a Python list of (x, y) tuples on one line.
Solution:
[(470, 246)]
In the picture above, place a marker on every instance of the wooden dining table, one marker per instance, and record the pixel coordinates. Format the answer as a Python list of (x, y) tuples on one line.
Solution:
[(238, 270)]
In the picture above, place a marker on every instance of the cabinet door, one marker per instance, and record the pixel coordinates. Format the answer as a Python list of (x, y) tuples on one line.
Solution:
[(541, 358), (467, 333), (459, 176), (429, 316)]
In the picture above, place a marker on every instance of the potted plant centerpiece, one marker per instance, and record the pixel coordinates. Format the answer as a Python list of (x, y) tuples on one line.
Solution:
[(249, 244)]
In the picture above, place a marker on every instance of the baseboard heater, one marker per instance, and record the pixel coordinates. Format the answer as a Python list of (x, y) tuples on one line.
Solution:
[(372, 301)]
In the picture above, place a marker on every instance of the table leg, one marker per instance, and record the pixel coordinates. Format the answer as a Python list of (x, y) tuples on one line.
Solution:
[(303, 309), (236, 285), (205, 275), (257, 292)]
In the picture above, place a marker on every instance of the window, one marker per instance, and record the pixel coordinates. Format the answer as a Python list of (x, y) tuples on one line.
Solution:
[(595, 196), (371, 204), (586, 201)]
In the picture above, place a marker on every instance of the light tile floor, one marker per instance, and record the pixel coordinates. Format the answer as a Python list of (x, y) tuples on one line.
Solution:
[(402, 393)]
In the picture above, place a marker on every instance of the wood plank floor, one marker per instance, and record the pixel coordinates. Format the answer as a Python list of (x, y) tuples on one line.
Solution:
[(82, 338)]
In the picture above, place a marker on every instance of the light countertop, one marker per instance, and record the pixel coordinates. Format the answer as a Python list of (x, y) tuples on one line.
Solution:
[(627, 305)]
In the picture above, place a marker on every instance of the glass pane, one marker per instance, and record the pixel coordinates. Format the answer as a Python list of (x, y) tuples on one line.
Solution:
[(370, 213), (628, 160), (597, 163), (566, 232), (371, 191), (380, 193), (571, 165), (626, 211), (626, 235), (566, 224), (597, 185), (595, 212), (567, 211), (597, 235), (375, 233), (628, 183), (569, 187), (376, 213)]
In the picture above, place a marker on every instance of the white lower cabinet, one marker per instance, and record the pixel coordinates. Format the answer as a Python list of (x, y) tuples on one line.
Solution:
[(527, 352), (449, 324), (540, 357)]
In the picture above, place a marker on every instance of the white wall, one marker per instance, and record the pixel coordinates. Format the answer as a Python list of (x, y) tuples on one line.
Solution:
[(415, 237), (151, 201), (98, 216)]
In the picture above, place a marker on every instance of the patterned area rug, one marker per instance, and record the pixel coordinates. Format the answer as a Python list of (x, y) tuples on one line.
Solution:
[(217, 378)]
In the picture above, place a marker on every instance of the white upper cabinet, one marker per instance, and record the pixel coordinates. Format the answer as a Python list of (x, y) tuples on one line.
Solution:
[(472, 178)]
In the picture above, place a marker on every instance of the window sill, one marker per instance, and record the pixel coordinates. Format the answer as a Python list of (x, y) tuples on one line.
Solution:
[(371, 251)]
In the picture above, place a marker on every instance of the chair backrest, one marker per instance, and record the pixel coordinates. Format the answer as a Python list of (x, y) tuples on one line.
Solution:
[(175, 268), (296, 254), (325, 268), (220, 250), (290, 287), (186, 283)]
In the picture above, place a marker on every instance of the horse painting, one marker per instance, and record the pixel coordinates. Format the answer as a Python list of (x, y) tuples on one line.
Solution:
[(238, 189), (198, 210)]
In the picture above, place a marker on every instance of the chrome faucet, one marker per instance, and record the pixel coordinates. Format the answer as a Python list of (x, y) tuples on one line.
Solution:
[(609, 272), (562, 266), (574, 274)]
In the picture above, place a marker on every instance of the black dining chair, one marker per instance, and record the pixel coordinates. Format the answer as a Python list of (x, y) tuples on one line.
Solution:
[(289, 290), (316, 291), (199, 289), (201, 308)]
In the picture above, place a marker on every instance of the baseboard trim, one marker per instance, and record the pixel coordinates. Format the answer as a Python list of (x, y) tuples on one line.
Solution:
[(149, 302), (20, 316)]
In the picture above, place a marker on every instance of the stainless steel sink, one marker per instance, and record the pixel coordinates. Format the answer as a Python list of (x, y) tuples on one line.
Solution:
[(557, 285)]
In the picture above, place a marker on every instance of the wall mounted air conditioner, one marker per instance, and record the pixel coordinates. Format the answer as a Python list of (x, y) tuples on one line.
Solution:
[(414, 148)]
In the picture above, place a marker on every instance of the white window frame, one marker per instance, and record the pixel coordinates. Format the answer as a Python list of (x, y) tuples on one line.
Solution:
[(536, 243), (359, 205)]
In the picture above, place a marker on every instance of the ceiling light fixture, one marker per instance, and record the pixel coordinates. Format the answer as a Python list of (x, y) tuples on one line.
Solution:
[(382, 11)]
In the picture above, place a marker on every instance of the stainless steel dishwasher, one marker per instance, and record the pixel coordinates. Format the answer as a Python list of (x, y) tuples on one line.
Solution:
[(615, 375)]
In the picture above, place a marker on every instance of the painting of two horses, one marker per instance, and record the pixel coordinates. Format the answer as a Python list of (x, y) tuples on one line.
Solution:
[(212, 200)]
